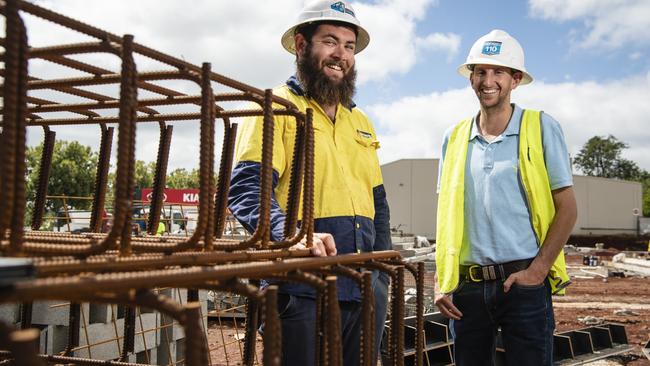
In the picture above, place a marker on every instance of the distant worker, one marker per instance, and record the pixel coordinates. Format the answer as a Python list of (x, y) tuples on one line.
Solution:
[(506, 208), (351, 211), (161, 228)]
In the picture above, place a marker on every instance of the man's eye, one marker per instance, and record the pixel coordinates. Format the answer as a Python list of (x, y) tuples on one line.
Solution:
[(329, 43), (350, 47)]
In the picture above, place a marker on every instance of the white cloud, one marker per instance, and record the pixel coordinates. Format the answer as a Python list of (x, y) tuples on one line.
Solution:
[(635, 56), (240, 38), (450, 43), (609, 23), (395, 45), (413, 127)]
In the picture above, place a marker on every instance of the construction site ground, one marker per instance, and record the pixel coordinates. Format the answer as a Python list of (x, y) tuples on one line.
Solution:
[(590, 300)]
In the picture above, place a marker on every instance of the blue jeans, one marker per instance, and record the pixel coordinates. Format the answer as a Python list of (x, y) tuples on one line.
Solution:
[(298, 317), (524, 314)]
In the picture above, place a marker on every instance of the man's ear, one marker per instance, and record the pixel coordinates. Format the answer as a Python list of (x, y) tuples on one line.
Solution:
[(300, 43), (517, 77)]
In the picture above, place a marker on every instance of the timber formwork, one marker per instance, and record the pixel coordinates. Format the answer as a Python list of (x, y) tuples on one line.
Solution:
[(139, 276)]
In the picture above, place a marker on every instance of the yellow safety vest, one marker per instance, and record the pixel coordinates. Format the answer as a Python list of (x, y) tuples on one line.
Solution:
[(534, 178)]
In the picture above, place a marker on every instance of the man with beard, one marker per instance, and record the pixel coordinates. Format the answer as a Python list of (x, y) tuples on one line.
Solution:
[(505, 210), (350, 208)]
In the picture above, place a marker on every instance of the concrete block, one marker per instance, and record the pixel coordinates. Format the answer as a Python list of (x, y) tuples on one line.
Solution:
[(99, 313), (55, 312), (166, 354), (145, 332), (403, 246), (10, 313), (101, 341), (54, 338), (148, 357)]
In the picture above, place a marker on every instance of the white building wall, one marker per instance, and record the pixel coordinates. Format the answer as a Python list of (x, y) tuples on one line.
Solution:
[(605, 206)]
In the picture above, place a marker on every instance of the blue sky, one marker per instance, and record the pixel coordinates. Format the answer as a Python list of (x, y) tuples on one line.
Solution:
[(590, 60), (553, 50)]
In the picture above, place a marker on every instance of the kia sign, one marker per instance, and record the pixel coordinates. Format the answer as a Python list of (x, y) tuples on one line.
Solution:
[(179, 196)]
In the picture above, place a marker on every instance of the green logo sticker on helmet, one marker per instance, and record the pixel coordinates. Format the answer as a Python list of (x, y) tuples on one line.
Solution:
[(491, 48), (340, 6)]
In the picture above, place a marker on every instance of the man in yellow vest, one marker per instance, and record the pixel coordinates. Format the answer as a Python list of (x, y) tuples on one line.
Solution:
[(350, 208), (506, 208)]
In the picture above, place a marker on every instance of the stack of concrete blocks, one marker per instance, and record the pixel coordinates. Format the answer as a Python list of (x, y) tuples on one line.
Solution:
[(159, 340), (414, 249)]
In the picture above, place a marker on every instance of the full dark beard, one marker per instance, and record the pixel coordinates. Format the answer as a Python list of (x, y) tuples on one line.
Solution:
[(318, 86)]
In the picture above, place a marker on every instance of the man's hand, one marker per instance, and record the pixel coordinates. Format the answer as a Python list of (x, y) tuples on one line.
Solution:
[(447, 307), (527, 277), (324, 245)]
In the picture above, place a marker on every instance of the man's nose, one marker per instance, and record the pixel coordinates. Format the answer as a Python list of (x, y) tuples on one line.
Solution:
[(489, 78), (338, 52)]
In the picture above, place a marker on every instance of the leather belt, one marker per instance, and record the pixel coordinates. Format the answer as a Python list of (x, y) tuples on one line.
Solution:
[(493, 272)]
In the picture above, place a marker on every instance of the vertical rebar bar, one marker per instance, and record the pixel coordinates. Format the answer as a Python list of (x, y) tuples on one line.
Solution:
[(308, 191), (128, 342), (128, 107), (196, 350), (223, 181), (101, 179), (74, 322), (368, 321), (295, 183), (252, 309), (419, 315), (160, 177), (397, 324), (210, 205), (49, 138), (335, 352), (267, 169), (26, 315), (10, 110), (272, 354)]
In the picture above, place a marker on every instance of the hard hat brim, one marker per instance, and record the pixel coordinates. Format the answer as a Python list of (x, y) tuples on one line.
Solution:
[(464, 70), (288, 42)]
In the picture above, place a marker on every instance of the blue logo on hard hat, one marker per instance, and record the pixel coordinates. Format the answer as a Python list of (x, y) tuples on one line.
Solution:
[(340, 7), (491, 48)]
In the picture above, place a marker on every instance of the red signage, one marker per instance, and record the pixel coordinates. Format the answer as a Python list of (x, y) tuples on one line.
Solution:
[(188, 196)]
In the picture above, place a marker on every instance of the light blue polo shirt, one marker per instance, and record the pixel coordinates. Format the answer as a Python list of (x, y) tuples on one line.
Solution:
[(497, 224)]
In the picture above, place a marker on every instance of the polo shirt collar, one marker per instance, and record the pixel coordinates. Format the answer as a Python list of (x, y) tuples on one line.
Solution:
[(513, 125)]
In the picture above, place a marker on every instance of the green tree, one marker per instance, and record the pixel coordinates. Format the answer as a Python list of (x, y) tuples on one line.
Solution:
[(601, 157), (144, 173), (181, 178), (72, 174)]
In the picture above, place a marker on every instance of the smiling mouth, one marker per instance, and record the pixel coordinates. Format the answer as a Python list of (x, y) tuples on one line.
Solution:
[(489, 91), (334, 67)]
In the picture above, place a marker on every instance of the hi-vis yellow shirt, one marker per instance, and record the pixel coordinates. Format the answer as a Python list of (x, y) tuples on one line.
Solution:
[(349, 196), (346, 164)]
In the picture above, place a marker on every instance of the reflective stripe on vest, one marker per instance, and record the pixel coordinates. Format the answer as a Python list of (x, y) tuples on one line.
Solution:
[(451, 219)]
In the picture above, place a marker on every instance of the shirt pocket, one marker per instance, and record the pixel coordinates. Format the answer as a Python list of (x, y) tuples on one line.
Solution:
[(366, 139)]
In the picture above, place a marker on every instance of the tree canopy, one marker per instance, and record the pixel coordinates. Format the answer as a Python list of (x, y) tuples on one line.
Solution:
[(72, 173), (601, 157)]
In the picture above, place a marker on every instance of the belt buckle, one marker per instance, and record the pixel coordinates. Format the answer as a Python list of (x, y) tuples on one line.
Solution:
[(471, 273)]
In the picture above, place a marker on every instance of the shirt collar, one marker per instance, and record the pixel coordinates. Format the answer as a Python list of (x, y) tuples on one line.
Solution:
[(296, 88), (513, 125)]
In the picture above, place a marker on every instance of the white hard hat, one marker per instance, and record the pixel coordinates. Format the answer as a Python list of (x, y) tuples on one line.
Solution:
[(496, 48), (327, 10)]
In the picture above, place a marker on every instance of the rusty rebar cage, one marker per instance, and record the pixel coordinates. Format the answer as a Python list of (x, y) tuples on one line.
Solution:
[(132, 272)]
